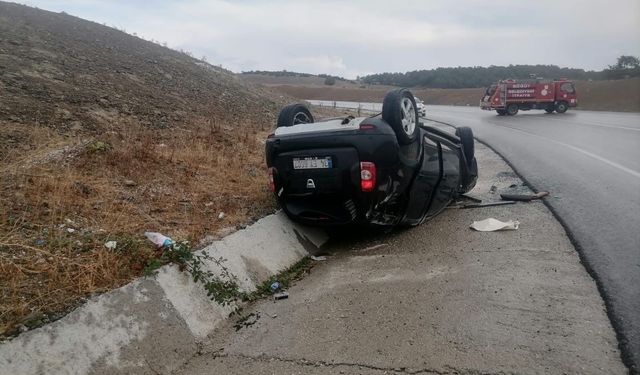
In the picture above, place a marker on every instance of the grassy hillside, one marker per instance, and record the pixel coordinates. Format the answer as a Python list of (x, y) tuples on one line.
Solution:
[(103, 136)]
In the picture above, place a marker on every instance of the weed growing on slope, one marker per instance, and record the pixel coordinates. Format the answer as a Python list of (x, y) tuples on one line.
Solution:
[(285, 278), (222, 288)]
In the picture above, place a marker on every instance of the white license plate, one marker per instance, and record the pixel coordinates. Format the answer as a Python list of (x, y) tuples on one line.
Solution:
[(313, 163)]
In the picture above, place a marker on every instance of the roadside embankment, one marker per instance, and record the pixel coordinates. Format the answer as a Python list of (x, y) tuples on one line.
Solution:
[(155, 324)]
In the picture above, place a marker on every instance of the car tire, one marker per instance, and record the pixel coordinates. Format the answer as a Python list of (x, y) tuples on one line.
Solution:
[(562, 107), (469, 175), (501, 112), (294, 114), (470, 178), (512, 109), (399, 110), (466, 140)]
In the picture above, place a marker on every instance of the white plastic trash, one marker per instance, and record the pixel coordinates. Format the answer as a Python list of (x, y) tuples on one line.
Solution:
[(111, 245), (492, 225), (159, 239)]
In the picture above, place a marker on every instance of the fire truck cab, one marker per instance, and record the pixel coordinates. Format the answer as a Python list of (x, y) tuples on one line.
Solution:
[(509, 96)]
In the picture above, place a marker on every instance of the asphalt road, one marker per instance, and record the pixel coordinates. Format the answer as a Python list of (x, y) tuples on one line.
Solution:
[(590, 162)]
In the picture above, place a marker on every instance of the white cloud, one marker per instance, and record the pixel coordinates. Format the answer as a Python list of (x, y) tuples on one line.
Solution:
[(357, 37)]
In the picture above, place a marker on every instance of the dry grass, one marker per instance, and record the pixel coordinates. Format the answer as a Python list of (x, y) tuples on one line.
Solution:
[(62, 197)]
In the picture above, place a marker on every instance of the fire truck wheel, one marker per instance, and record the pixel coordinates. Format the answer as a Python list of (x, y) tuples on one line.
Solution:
[(501, 112), (294, 114), (512, 109), (561, 107)]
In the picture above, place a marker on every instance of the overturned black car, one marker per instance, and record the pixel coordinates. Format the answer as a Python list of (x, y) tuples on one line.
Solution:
[(384, 170)]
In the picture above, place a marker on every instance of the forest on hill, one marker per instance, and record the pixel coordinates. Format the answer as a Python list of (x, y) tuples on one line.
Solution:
[(478, 76)]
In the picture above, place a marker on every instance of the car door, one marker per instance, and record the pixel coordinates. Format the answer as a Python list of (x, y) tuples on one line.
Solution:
[(425, 183), (449, 180)]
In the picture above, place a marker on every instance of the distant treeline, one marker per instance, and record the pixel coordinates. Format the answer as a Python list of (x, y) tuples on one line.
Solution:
[(477, 76), (284, 73)]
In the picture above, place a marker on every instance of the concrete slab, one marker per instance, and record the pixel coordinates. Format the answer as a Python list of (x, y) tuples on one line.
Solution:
[(104, 333), (153, 325)]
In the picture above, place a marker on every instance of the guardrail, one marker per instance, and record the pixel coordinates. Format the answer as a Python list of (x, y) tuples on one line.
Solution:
[(358, 106)]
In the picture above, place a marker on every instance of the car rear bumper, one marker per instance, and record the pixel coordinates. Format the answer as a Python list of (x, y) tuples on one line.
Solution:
[(334, 196)]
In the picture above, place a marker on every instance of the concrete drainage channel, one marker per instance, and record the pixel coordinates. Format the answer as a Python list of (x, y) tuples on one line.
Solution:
[(157, 322)]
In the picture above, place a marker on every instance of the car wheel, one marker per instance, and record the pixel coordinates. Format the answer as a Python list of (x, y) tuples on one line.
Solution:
[(294, 114), (469, 180), (466, 140), (561, 107), (501, 112), (469, 175), (512, 109), (400, 112)]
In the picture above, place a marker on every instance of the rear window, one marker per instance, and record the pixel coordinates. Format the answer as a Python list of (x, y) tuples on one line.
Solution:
[(567, 87)]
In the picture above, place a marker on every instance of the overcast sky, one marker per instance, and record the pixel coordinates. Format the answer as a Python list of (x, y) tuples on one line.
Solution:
[(351, 38)]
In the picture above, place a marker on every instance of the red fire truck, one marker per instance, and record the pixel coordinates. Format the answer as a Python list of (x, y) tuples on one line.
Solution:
[(508, 96)]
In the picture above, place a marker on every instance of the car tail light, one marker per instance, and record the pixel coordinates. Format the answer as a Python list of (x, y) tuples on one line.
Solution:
[(367, 176), (367, 126), (272, 181)]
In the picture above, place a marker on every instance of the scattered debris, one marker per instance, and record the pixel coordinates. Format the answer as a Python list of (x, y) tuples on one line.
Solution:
[(523, 197), (487, 204), (493, 189), (374, 247), (471, 197), (111, 245), (318, 258), (281, 295), (159, 239), (221, 216), (246, 321), (71, 230), (491, 225), (129, 183), (275, 286), (40, 242)]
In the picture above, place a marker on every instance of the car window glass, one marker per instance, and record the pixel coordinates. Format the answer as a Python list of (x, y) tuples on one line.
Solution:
[(566, 87)]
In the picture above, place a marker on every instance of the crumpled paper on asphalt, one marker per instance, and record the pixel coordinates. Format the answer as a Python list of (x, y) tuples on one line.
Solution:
[(492, 225)]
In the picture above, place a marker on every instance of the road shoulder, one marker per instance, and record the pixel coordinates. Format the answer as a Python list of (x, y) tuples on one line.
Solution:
[(439, 298)]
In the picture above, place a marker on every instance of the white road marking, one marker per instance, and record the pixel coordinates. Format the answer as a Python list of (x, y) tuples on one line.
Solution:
[(585, 152), (594, 124)]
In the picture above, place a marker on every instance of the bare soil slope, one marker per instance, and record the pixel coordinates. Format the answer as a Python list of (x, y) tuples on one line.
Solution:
[(103, 136)]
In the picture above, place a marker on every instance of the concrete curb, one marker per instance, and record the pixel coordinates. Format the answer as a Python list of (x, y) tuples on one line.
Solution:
[(153, 325)]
